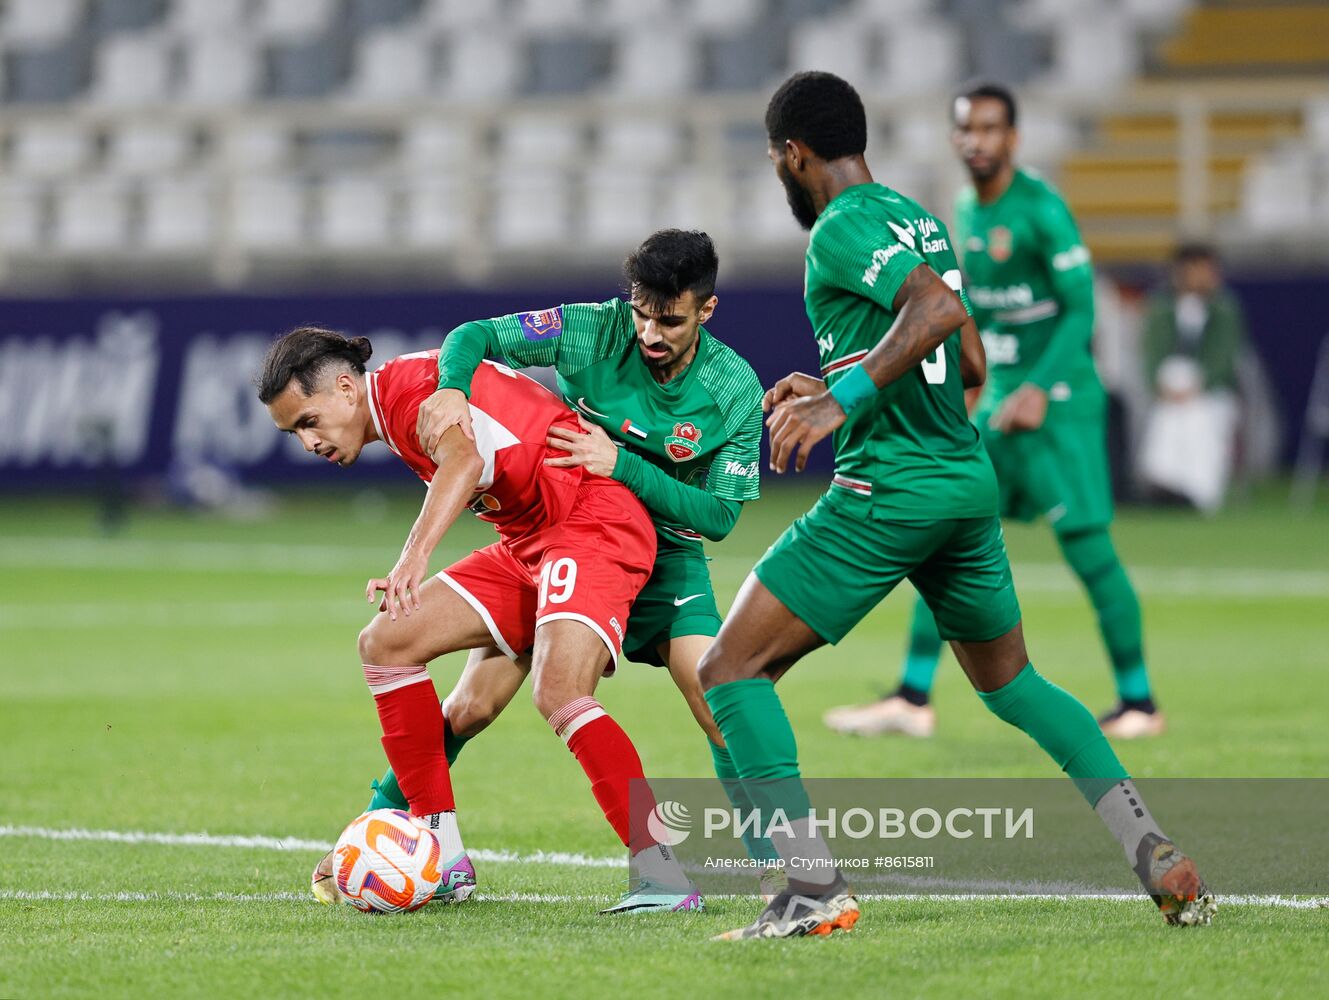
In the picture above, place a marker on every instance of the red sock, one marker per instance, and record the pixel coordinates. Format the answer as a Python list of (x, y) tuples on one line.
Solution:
[(610, 760), (413, 735)]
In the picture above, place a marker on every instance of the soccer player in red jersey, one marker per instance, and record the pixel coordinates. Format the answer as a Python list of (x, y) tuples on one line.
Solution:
[(573, 551)]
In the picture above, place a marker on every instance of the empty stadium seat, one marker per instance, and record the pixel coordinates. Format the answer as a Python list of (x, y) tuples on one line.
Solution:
[(628, 142), (131, 69), (921, 57), (268, 212), (531, 141), (306, 69), (50, 148), (179, 214), (531, 210), (544, 16), (430, 144), (392, 63), (203, 17), (126, 15), (257, 146), (48, 74), (219, 69), (22, 214), (841, 44), (40, 23), (148, 148), (92, 213), (661, 62), (710, 17), (436, 211), (460, 15), (620, 207), (481, 65), (354, 211), (294, 21)]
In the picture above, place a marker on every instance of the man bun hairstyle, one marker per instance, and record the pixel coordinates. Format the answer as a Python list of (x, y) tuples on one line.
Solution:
[(994, 91), (821, 111), (670, 262), (307, 354)]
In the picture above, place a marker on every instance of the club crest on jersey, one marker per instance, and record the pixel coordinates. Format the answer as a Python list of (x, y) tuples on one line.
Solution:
[(542, 325), (1000, 243), (684, 443), (485, 504)]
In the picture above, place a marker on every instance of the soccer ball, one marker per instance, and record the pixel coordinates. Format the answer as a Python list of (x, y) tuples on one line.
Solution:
[(384, 863)]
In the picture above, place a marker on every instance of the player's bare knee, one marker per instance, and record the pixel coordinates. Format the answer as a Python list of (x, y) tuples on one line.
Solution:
[(717, 668), (470, 716), (371, 644)]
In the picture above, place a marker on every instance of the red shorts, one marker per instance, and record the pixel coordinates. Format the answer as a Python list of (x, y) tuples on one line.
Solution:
[(589, 567)]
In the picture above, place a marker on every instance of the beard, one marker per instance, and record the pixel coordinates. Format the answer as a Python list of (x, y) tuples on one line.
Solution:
[(800, 202)]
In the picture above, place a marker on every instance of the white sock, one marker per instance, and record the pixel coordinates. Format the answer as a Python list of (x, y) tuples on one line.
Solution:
[(1123, 812), (658, 864), (444, 827), (806, 856)]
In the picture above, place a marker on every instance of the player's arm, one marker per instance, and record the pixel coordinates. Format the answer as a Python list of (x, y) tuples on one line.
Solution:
[(450, 491), (709, 515), (973, 359), (1067, 261), (565, 337), (927, 311)]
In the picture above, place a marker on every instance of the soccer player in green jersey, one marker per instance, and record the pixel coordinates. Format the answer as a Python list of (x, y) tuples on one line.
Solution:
[(669, 411), (1042, 414), (913, 497)]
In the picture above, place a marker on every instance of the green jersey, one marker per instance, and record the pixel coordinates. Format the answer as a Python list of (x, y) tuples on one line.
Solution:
[(910, 449), (701, 429), (1032, 288)]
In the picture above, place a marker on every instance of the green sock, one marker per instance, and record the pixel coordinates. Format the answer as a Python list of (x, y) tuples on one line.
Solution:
[(761, 745), (1094, 560), (759, 848), (924, 650), (388, 794), (1062, 727)]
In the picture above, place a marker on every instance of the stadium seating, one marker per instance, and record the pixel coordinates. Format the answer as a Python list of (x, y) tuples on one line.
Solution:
[(524, 112)]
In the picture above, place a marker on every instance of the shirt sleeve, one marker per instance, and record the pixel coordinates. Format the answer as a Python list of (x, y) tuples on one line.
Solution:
[(711, 516), (1068, 266), (566, 337), (735, 472), (858, 254)]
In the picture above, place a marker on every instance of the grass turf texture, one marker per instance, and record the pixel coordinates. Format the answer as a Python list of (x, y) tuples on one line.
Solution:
[(197, 674)]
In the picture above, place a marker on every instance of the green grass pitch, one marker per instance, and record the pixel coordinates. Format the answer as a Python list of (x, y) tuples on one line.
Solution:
[(196, 674)]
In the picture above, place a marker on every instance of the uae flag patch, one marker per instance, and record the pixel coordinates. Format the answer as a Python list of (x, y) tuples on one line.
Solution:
[(684, 444)]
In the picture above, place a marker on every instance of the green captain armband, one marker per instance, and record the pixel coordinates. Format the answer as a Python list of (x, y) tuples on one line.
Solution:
[(855, 386)]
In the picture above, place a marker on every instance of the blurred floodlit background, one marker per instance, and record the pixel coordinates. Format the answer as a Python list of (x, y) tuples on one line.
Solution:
[(181, 179)]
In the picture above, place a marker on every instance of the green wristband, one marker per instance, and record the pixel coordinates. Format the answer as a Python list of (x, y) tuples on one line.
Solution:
[(853, 387)]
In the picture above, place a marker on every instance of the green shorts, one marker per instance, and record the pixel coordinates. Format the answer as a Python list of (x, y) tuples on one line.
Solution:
[(677, 600), (836, 563), (1059, 471)]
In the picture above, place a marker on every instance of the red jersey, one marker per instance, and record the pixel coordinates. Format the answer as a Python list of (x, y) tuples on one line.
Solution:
[(511, 415)]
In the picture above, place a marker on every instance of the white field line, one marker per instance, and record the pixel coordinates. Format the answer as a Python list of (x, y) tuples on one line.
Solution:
[(261, 842), (264, 843), (42, 896)]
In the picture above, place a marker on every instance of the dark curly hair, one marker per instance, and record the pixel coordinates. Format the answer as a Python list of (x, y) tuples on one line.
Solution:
[(670, 262), (307, 354), (820, 110)]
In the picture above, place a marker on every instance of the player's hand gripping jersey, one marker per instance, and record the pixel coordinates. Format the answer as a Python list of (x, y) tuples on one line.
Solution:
[(574, 545)]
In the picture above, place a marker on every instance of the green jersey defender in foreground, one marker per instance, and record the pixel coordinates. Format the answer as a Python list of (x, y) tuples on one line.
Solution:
[(914, 496), (1042, 414)]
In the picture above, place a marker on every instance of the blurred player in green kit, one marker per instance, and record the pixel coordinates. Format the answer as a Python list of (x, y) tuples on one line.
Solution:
[(1041, 415)]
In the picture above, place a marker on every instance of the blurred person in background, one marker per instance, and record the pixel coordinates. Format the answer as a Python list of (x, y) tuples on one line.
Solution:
[(1042, 414), (1194, 334)]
